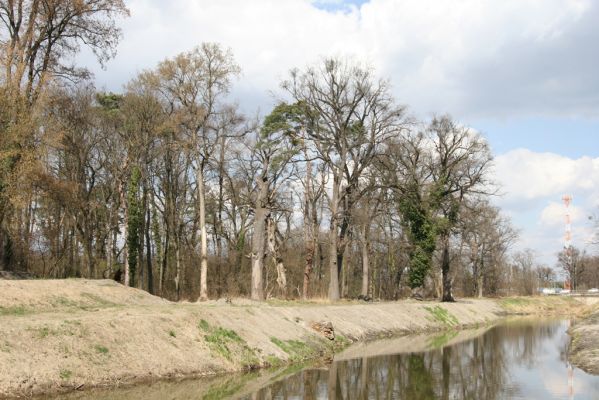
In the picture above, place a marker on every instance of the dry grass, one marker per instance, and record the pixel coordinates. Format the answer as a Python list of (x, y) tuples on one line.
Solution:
[(59, 335)]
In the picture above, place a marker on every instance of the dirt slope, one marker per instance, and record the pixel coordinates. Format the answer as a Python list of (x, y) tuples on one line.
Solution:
[(61, 335), (584, 352)]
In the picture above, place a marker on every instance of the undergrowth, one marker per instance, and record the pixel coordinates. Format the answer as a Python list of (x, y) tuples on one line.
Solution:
[(228, 344), (443, 316)]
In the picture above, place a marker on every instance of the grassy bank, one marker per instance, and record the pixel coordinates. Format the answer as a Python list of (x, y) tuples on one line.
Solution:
[(584, 351), (72, 334)]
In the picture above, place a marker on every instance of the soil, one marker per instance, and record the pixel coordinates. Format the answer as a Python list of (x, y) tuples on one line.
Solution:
[(62, 335), (584, 350)]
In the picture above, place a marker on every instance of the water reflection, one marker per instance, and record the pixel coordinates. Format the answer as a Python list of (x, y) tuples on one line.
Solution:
[(522, 359), (518, 360)]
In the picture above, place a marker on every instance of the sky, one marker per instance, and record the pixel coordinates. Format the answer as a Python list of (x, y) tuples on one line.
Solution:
[(521, 72)]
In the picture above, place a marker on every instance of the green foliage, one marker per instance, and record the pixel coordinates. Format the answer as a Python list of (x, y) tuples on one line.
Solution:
[(422, 231), (43, 332), (240, 245), (203, 325), (443, 316), (285, 119), (13, 310), (273, 361), (296, 349), (226, 342), (134, 223), (341, 341), (511, 302), (222, 391), (101, 349), (99, 301), (219, 341), (65, 374), (109, 101), (279, 135), (228, 388), (172, 333), (91, 302), (440, 341)]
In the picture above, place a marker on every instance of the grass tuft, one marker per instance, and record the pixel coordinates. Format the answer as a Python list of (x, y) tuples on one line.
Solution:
[(296, 349), (443, 316), (203, 325), (13, 311), (227, 343), (65, 374), (101, 349)]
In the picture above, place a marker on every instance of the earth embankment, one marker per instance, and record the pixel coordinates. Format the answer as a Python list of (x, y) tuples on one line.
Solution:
[(61, 335)]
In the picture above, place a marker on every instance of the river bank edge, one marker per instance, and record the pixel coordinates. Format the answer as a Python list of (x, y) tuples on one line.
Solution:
[(65, 335), (584, 349)]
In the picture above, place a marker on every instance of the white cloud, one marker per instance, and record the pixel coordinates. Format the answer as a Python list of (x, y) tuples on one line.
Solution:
[(533, 184), (554, 215), (465, 57), (527, 175)]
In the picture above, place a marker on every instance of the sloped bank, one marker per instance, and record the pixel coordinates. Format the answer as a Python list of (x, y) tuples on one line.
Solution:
[(63, 335), (584, 350)]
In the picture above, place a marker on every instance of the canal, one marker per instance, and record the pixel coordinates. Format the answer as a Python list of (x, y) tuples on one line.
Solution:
[(517, 359)]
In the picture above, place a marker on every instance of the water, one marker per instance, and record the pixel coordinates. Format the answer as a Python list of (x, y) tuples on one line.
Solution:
[(523, 359), (517, 360)]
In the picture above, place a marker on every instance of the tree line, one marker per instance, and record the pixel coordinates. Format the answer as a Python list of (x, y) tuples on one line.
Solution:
[(167, 186)]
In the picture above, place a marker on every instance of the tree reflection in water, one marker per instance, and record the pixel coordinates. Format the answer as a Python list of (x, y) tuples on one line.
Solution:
[(477, 369)]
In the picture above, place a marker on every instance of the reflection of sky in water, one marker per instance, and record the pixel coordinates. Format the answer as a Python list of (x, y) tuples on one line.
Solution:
[(522, 360), (547, 378)]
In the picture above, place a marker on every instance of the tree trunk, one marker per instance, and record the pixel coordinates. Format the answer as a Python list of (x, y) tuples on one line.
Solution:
[(445, 269), (333, 250), (163, 262), (479, 282), (308, 233), (203, 233), (274, 246), (308, 265), (476, 272), (178, 268), (125, 233), (218, 226), (261, 214), (109, 246), (344, 272), (89, 252), (365, 260), (140, 247), (149, 249)]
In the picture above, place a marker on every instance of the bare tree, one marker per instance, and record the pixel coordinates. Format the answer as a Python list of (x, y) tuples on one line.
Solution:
[(523, 265), (488, 236), (41, 35), (572, 263), (36, 39), (350, 115), (194, 84)]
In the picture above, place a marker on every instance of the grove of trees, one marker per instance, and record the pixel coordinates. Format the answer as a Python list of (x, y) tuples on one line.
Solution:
[(169, 187)]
